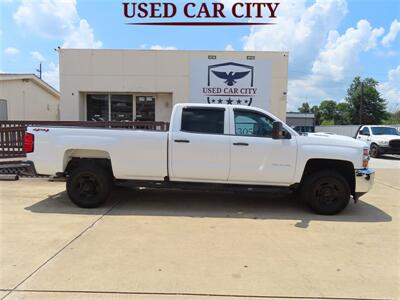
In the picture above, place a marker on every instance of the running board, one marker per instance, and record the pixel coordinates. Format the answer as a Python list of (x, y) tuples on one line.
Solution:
[(194, 186)]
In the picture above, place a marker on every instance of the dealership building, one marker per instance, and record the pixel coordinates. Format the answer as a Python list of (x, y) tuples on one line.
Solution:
[(144, 85)]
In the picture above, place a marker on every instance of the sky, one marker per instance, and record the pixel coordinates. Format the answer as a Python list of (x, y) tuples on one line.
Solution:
[(329, 41)]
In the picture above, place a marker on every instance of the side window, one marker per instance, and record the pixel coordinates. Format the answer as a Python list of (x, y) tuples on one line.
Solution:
[(365, 131), (252, 124), (203, 120)]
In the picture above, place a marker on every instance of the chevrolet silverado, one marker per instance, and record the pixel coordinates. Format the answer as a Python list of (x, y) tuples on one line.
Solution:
[(207, 146)]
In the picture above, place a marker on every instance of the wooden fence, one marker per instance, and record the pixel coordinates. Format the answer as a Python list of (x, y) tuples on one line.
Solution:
[(11, 141), (12, 132)]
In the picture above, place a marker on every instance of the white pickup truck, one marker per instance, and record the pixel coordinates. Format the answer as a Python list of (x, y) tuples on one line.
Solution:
[(207, 146), (381, 139)]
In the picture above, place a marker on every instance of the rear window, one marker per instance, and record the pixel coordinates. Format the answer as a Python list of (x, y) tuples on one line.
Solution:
[(203, 120)]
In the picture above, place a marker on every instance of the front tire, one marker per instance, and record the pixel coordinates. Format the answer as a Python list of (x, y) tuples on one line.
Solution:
[(326, 192), (374, 151), (89, 185)]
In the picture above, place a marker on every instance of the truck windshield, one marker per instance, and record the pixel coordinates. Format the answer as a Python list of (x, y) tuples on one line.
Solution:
[(384, 130)]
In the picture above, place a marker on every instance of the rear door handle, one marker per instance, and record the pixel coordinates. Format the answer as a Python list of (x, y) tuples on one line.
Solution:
[(181, 141), (240, 144)]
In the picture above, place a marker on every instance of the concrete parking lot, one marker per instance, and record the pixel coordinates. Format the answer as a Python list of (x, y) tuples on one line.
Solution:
[(185, 245)]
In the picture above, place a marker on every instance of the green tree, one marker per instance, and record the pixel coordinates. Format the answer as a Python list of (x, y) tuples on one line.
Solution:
[(317, 114), (327, 122), (342, 116), (304, 108), (393, 118), (373, 105), (327, 109)]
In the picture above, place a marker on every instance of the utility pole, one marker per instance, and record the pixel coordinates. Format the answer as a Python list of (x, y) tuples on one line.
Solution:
[(361, 101), (40, 70)]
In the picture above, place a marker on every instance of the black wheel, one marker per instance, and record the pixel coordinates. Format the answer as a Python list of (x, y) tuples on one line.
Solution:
[(326, 192), (374, 151), (89, 185)]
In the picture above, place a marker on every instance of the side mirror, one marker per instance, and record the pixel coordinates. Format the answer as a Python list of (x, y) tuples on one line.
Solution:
[(278, 132)]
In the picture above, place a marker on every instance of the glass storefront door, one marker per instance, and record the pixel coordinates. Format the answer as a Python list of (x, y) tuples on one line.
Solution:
[(109, 107), (145, 108), (97, 107), (121, 107)]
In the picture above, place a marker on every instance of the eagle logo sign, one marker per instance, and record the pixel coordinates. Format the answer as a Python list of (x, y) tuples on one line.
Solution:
[(239, 81), (231, 77)]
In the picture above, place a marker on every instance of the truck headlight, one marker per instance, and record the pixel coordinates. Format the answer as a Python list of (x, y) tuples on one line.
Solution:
[(365, 158), (383, 143)]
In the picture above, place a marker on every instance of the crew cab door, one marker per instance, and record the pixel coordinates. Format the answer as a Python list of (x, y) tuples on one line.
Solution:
[(364, 134), (256, 158), (199, 144)]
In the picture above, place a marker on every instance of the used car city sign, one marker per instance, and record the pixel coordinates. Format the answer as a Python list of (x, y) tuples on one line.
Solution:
[(241, 82), (200, 13)]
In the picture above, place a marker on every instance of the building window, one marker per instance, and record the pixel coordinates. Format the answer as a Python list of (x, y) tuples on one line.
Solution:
[(145, 108), (109, 107), (121, 107), (203, 120), (97, 107), (3, 110)]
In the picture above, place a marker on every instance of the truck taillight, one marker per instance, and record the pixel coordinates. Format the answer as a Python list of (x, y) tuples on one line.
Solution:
[(29, 141), (365, 157)]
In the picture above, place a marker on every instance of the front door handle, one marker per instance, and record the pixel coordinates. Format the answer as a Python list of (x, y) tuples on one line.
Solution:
[(240, 144), (181, 141)]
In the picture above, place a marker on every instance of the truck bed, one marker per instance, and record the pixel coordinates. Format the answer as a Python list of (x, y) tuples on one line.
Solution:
[(135, 154)]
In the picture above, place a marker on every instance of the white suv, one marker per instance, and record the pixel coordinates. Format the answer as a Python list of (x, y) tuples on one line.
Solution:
[(381, 139)]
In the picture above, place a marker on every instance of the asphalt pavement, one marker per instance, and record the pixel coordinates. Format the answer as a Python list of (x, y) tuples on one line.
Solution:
[(185, 245)]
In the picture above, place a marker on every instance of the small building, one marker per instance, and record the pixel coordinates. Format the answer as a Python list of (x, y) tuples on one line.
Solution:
[(27, 97), (144, 85), (301, 122)]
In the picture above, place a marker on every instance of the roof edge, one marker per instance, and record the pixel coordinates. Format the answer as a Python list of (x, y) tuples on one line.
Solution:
[(34, 78)]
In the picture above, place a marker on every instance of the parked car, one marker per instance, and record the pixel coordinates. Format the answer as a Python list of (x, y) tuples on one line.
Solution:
[(381, 139), (206, 147)]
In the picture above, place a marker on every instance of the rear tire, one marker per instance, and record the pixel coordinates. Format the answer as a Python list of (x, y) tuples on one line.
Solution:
[(326, 192), (374, 151), (89, 185)]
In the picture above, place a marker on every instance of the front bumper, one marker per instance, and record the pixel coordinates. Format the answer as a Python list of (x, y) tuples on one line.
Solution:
[(389, 150), (364, 181)]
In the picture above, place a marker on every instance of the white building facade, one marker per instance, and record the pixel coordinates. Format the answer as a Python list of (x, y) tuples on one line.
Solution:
[(27, 97), (143, 85)]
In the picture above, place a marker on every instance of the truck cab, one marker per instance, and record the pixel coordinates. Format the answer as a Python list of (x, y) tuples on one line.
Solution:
[(230, 144)]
